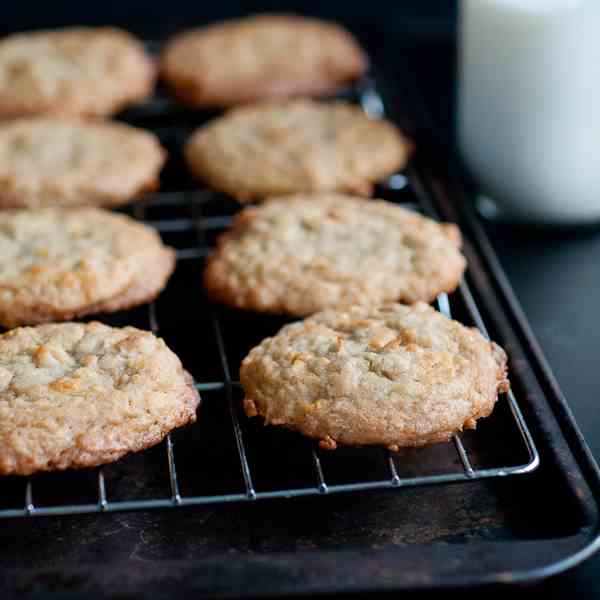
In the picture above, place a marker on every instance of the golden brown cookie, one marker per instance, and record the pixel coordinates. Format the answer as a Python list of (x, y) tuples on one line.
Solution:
[(78, 395), (60, 162), (73, 71), (395, 376), (299, 146), (301, 254), (259, 58), (57, 264)]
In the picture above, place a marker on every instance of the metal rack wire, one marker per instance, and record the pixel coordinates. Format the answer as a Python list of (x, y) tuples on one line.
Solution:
[(201, 228)]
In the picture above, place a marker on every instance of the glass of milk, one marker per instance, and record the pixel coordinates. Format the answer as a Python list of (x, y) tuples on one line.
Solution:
[(529, 106)]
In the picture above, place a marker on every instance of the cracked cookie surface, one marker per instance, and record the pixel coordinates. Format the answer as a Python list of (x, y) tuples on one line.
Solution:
[(260, 57), (269, 149), (57, 264), (396, 376), (67, 162), (81, 71), (301, 254), (80, 395)]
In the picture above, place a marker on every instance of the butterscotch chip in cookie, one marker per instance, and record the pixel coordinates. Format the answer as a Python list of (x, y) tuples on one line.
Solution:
[(80, 395), (258, 58), (300, 146), (396, 376), (72, 71), (60, 162), (57, 264), (301, 254)]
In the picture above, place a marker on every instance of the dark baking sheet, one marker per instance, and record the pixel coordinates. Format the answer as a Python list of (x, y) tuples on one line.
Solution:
[(498, 531)]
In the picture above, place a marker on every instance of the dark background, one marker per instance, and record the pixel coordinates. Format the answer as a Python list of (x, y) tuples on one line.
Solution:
[(155, 17), (554, 273)]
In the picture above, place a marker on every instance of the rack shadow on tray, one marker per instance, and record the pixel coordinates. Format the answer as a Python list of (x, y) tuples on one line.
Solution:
[(225, 457)]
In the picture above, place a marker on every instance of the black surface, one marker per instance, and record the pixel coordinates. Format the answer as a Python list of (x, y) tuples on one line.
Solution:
[(553, 276), (155, 18)]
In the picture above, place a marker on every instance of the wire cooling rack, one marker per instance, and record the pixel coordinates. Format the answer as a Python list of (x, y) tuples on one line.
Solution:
[(225, 457)]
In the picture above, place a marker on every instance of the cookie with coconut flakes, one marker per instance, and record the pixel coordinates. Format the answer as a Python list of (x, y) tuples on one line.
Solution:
[(299, 146), (298, 255), (395, 376), (80, 71), (258, 58), (68, 162), (58, 264), (78, 395)]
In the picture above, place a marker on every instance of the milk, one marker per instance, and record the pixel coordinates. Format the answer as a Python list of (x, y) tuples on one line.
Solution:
[(529, 106)]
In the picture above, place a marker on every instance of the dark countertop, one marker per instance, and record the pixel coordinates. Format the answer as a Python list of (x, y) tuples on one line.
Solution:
[(555, 277)]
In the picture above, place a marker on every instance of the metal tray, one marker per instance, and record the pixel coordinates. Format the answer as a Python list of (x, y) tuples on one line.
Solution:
[(496, 530)]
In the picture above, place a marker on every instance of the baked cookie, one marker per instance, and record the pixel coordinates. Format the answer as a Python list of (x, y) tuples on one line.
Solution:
[(301, 254), (299, 146), (84, 394), (258, 58), (73, 71), (58, 162), (57, 264), (396, 376)]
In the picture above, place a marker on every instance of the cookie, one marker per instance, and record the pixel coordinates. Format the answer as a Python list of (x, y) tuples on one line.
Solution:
[(78, 395), (395, 376), (73, 71), (300, 146), (259, 58), (59, 162), (301, 254), (58, 264)]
